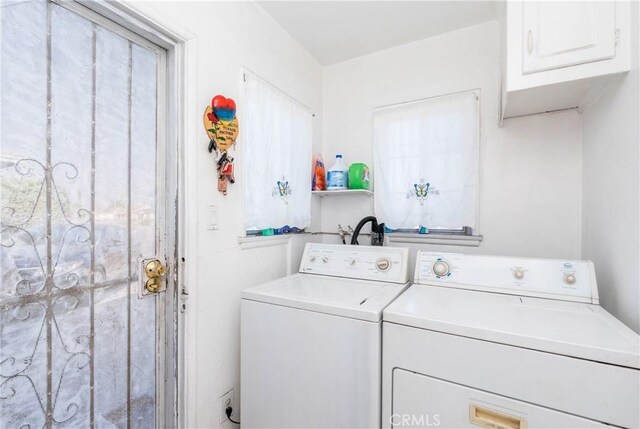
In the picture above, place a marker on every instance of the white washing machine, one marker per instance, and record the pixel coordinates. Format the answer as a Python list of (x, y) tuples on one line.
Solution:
[(507, 343), (312, 342)]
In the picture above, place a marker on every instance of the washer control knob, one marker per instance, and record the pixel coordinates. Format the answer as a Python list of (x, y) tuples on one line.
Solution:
[(441, 268), (312, 259), (352, 261), (569, 279), (325, 259), (518, 274), (383, 264)]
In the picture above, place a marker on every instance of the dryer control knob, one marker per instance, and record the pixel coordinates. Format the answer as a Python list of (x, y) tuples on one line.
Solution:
[(383, 264), (441, 268), (518, 274), (569, 279)]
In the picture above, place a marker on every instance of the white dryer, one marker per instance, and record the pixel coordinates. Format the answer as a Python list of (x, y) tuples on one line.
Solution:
[(507, 343), (311, 345)]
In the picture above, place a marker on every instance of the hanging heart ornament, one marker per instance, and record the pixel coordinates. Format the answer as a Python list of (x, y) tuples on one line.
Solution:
[(224, 108), (211, 122), (224, 135)]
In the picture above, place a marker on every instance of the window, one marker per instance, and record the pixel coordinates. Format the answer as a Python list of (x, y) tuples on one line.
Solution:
[(426, 163), (277, 158)]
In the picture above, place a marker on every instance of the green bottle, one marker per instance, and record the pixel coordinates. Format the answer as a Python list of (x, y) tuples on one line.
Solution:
[(358, 176)]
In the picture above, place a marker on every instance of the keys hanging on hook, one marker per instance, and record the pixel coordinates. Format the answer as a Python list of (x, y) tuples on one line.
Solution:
[(227, 170), (223, 158), (222, 184), (212, 146)]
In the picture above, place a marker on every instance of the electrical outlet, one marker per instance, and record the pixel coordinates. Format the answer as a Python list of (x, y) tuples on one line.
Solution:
[(226, 400)]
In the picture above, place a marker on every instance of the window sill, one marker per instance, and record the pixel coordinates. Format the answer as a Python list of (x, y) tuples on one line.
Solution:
[(252, 242), (444, 239)]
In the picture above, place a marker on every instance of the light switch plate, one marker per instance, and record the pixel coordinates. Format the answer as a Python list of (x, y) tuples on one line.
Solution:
[(214, 218)]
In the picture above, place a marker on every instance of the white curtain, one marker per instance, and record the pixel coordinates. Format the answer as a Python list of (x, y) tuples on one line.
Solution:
[(277, 137), (426, 162)]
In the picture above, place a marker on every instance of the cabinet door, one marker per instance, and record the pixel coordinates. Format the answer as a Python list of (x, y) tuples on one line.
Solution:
[(562, 34), (420, 401)]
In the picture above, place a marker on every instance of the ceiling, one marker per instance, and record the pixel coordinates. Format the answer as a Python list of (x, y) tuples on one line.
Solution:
[(335, 31)]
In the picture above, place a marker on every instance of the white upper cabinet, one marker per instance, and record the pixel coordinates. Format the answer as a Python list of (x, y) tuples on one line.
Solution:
[(562, 34), (559, 53)]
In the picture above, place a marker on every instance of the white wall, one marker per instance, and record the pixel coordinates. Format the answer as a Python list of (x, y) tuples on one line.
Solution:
[(611, 214), (530, 202), (231, 35)]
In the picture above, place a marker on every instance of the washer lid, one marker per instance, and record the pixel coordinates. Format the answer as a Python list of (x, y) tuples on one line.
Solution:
[(358, 299), (574, 329)]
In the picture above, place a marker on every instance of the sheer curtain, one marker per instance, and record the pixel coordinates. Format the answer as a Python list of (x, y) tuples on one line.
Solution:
[(277, 138), (426, 156)]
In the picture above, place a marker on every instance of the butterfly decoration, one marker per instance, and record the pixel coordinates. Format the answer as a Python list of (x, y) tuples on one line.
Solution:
[(421, 190), (222, 128), (282, 190)]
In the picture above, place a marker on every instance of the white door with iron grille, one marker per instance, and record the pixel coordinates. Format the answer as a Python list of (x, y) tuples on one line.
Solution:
[(85, 236)]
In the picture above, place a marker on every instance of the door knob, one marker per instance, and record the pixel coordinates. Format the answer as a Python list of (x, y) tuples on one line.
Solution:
[(154, 268), (155, 272)]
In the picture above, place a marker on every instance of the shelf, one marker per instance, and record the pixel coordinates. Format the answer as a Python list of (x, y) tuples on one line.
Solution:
[(323, 194)]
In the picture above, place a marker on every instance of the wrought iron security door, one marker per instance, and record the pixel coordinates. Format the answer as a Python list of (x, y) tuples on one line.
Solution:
[(80, 205)]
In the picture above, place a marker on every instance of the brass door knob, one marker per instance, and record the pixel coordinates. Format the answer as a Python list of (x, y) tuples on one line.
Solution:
[(155, 271), (153, 285), (154, 268)]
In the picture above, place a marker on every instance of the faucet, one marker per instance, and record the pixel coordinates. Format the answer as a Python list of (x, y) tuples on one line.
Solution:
[(344, 233)]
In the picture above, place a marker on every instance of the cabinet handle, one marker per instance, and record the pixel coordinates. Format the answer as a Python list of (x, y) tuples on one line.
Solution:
[(487, 418), (530, 42)]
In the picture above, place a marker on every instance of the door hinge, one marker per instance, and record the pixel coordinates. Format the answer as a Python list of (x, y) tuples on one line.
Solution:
[(184, 296), (184, 289)]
